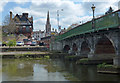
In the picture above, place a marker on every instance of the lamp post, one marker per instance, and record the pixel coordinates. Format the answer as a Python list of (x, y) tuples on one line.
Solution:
[(93, 27), (58, 18), (93, 9)]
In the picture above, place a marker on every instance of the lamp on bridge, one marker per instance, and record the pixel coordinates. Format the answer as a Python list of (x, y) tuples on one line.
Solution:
[(93, 9)]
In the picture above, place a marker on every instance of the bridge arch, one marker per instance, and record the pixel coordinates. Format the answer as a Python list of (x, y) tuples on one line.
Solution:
[(66, 48), (85, 49), (74, 48), (105, 47)]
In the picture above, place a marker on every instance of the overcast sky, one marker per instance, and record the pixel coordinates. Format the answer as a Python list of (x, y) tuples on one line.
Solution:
[(74, 11)]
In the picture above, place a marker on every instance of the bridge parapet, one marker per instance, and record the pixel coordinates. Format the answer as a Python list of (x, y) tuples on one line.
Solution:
[(111, 20)]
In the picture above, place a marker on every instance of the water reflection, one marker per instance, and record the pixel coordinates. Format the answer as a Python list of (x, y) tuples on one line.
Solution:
[(51, 70)]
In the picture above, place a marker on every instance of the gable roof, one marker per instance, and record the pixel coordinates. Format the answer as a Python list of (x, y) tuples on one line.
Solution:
[(23, 18)]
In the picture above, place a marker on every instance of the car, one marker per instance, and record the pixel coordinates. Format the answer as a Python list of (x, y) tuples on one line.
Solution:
[(33, 43), (28, 43), (2, 44), (20, 43)]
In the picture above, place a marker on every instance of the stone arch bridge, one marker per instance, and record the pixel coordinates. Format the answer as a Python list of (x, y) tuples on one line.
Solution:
[(87, 41)]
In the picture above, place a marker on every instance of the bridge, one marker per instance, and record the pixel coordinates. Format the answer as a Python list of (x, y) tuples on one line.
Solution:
[(101, 40)]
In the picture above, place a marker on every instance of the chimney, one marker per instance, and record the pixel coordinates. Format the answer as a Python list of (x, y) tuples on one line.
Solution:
[(10, 15), (25, 14)]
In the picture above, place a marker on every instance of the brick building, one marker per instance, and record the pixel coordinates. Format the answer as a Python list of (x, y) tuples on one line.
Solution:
[(24, 24)]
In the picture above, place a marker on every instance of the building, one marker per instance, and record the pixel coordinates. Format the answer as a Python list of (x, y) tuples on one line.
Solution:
[(62, 31), (119, 5), (24, 24), (46, 40), (45, 36), (37, 35), (48, 25)]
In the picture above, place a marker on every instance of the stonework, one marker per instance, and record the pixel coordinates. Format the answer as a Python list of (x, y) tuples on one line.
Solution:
[(110, 38)]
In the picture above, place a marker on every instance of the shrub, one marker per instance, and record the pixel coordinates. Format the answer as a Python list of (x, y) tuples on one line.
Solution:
[(101, 65), (4, 42), (47, 57), (104, 65), (11, 42), (83, 60)]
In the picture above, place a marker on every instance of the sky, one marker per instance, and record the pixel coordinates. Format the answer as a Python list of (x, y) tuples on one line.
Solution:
[(74, 11)]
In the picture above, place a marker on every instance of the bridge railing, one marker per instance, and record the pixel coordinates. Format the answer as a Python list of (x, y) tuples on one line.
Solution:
[(111, 20), (108, 21)]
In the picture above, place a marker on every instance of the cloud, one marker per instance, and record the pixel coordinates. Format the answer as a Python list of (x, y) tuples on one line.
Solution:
[(2, 4), (39, 9), (74, 11)]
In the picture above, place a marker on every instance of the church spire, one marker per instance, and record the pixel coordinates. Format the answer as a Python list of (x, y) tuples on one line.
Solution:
[(48, 19), (48, 25)]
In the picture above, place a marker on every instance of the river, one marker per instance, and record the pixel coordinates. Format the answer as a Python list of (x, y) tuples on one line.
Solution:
[(51, 70)]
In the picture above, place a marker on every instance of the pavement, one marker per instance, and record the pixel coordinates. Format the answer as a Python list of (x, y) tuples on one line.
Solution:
[(25, 46), (23, 52)]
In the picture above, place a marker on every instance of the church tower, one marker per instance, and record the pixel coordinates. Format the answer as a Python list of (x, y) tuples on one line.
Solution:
[(48, 25)]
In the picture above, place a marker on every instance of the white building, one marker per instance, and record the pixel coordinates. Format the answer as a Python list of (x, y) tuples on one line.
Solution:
[(38, 35)]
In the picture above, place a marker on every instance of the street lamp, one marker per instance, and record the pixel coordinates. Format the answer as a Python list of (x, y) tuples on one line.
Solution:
[(93, 9), (58, 18)]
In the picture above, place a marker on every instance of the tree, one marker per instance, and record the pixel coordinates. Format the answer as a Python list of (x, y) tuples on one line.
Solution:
[(109, 11), (9, 26), (11, 43)]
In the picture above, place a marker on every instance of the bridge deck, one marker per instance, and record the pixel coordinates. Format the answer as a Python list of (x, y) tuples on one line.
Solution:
[(111, 20)]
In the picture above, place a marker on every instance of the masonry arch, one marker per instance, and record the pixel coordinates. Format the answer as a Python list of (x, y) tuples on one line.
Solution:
[(74, 48), (85, 49), (105, 47), (66, 48)]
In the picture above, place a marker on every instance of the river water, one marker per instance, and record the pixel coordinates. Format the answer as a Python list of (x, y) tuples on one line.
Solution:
[(51, 70)]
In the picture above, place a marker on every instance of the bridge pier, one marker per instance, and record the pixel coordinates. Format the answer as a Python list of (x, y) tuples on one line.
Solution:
[(56, 46), (91, 54), (92, 47), (116, 60)]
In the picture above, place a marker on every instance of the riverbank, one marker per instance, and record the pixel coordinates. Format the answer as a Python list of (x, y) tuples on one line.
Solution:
[(23, 48), (36, 52), (31, 54)]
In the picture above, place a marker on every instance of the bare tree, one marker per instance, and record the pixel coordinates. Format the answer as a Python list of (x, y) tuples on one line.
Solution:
[(9, 26)]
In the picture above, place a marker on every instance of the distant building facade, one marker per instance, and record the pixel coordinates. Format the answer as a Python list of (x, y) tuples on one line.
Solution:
[(45, 36), (24, 24), (62, 31), (37, 35), (119, 5)]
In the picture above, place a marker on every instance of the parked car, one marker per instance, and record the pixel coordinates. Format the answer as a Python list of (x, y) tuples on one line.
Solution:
[(20, 43), (33, 43), (28, 43), (2, 44)]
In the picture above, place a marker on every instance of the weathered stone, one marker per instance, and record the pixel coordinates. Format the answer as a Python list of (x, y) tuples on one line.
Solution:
[(116, 61), (110, 44)]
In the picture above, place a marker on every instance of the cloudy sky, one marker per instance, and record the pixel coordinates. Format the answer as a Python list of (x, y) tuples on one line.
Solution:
[(74, 11)]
